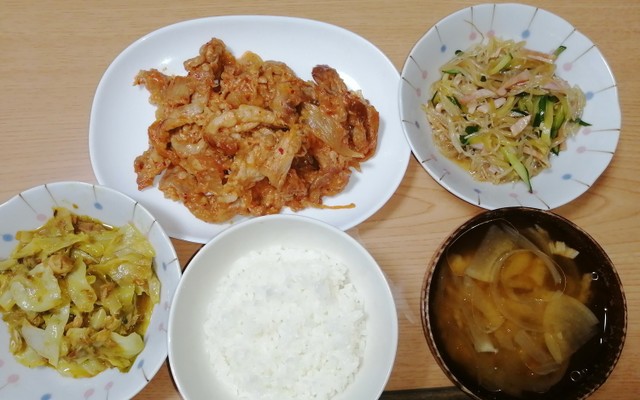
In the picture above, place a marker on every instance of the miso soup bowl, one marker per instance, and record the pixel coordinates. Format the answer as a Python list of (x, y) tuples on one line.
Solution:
[(593, 363)]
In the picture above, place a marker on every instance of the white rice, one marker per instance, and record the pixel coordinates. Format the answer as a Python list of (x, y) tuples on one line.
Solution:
[(286, 323)]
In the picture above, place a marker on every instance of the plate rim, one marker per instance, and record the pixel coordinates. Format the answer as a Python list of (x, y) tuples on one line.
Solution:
[(401, 156), (140, 216), (473, 196)]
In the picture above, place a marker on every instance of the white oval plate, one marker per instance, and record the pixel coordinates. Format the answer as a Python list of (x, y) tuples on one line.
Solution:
[(121, 113), (588, 153), (30, 210)]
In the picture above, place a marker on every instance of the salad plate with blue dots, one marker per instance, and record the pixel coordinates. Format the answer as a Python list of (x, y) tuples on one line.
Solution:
[(30, 210), (585, 155)]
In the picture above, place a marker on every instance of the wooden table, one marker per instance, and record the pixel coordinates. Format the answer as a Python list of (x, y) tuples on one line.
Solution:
[(55, 52)]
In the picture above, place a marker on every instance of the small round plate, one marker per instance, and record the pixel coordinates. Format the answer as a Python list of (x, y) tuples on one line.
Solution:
[(588, 153), (30, 210)]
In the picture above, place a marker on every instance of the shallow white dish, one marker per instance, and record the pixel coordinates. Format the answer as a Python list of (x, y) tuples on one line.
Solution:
[(588, 154), (190, 365), (29, 210), (121, 113)]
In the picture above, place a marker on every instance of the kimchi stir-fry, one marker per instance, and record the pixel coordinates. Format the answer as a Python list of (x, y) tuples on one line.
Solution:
[(244, 136), (501, 111)]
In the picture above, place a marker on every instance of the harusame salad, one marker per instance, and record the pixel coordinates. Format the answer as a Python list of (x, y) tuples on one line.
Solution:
[(500, 110)]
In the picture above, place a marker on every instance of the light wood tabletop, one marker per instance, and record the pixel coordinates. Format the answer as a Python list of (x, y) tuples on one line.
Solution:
[(55, 52)]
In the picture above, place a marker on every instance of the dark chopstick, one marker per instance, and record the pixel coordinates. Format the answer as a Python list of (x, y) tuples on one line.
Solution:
[(442, 393)]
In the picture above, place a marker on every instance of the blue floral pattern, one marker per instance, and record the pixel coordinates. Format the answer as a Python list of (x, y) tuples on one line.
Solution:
[(588, 154), (31, 209)]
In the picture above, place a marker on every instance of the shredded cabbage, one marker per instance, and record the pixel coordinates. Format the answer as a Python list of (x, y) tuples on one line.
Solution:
[(77, 295), (500, 110)]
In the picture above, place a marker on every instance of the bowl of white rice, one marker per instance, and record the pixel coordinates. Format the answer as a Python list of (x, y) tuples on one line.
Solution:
[(282, 307)]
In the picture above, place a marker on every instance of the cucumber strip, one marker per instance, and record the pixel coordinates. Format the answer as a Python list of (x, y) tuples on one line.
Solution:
[(558, 119), (469, 132), (540, 106), (501, 64), (506, 108), (526, 104), (433, 98), (519, 167), (455, 101), (471, 129), (559, 51), (547, 123), (580, 122)]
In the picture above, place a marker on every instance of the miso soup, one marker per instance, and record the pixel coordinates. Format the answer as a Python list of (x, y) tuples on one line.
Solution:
[(517, 311)]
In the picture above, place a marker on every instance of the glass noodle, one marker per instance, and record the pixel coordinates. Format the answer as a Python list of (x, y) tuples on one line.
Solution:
[(501, 112)]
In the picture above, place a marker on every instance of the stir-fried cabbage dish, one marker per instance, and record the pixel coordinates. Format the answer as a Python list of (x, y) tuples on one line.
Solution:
[(77, 295), (243, 136), (500, 111)]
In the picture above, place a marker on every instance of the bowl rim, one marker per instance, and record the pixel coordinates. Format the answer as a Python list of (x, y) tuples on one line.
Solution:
[(487, 216), (342, 235)]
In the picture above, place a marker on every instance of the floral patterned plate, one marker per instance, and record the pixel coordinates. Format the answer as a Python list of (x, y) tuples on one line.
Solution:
[(29, 210), (588, 153)]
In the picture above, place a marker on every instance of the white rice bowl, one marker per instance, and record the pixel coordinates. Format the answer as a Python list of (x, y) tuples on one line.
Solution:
[(339, 296)]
